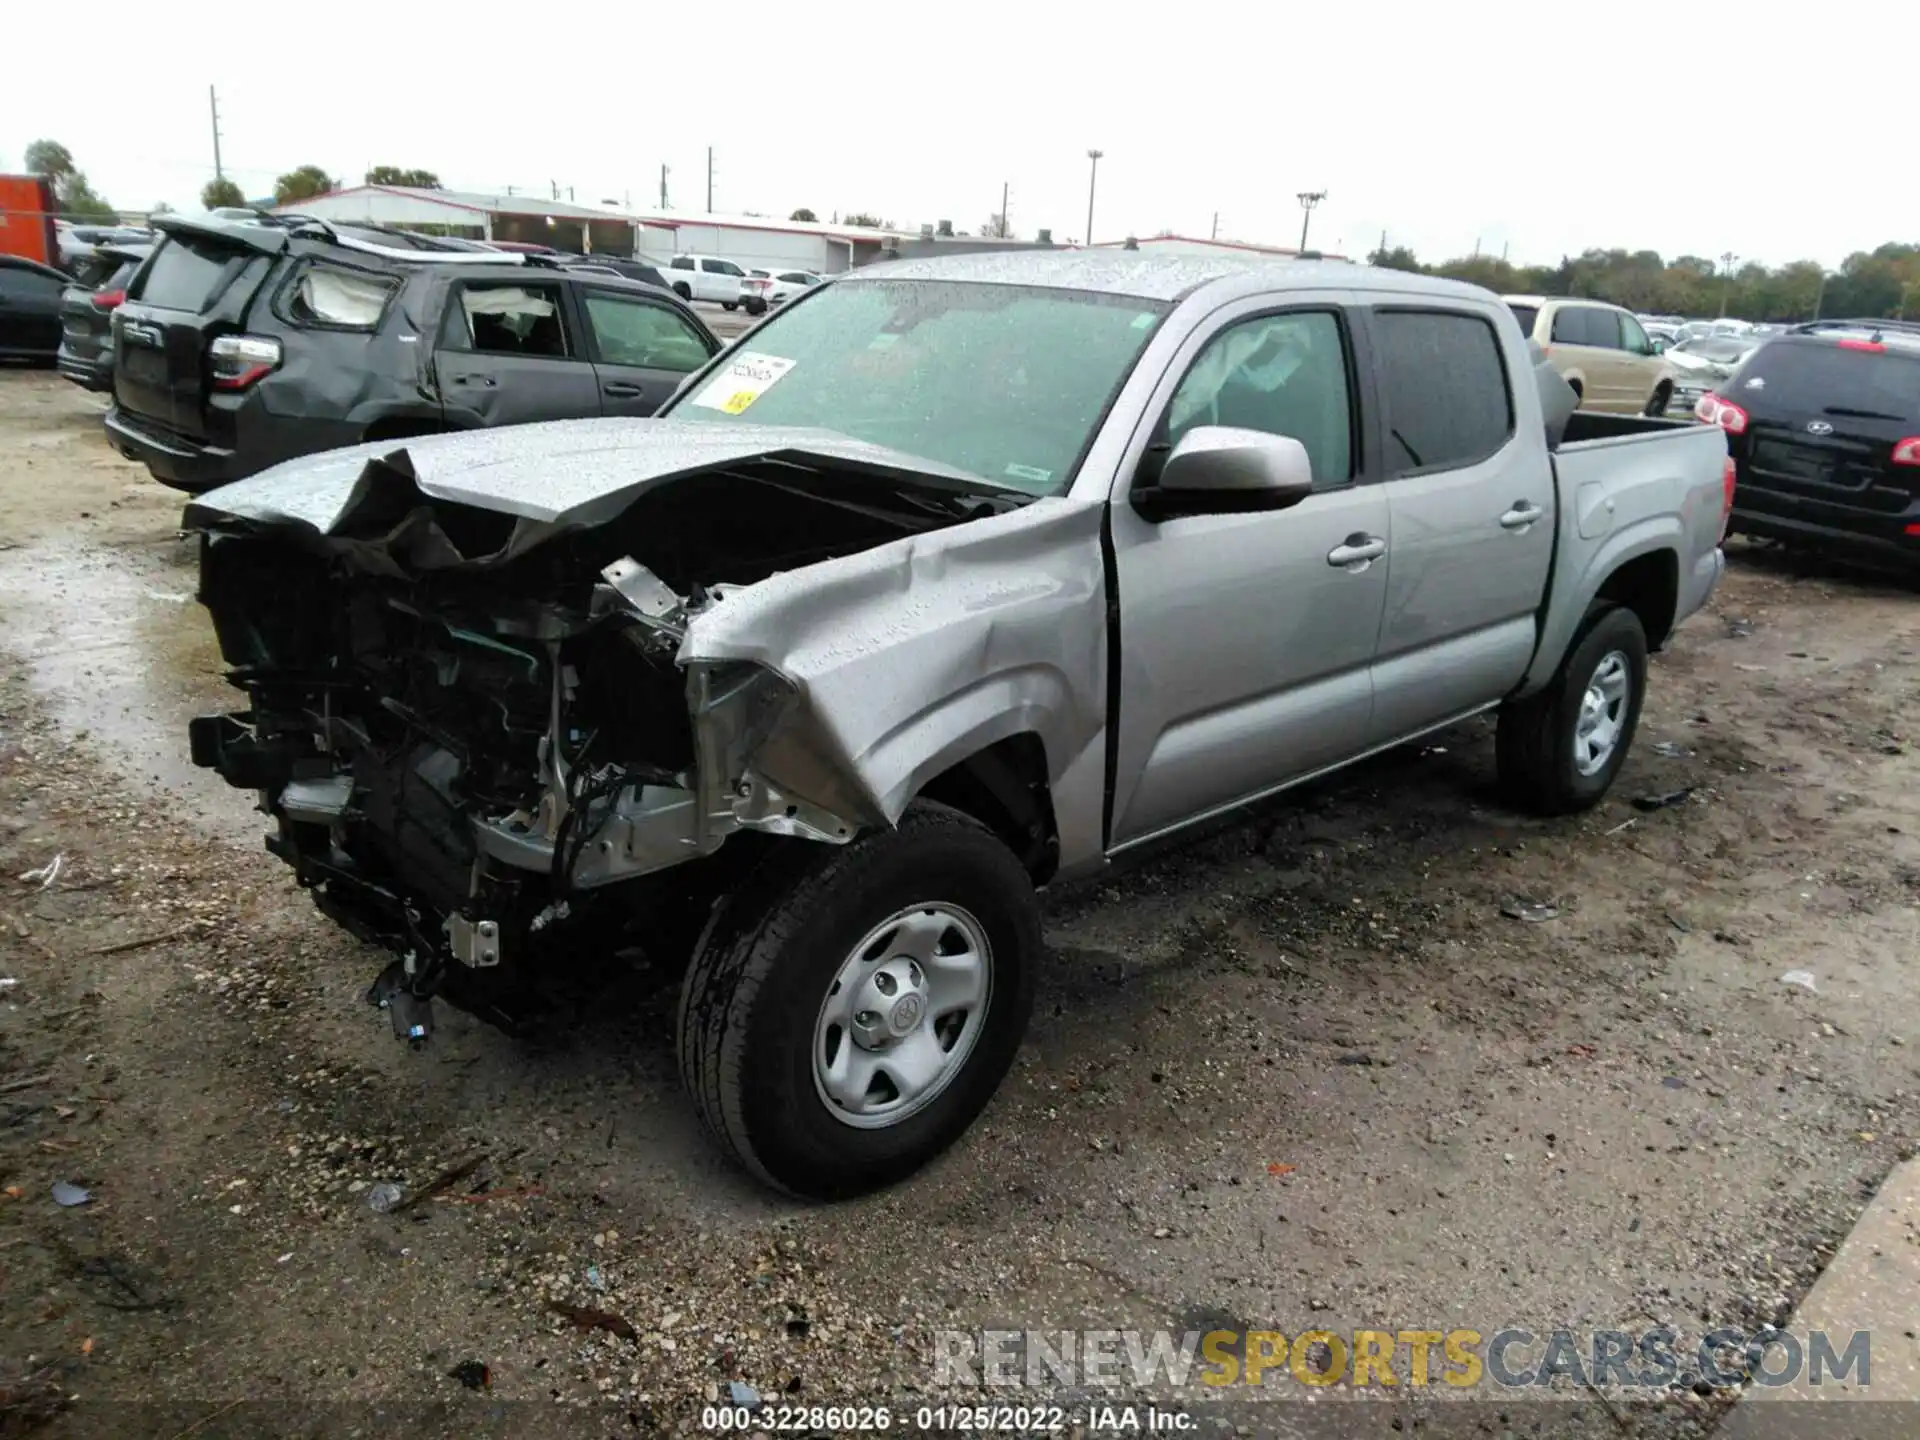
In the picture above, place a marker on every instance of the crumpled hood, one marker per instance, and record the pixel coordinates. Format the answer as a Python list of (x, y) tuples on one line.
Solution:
[(558, 474)]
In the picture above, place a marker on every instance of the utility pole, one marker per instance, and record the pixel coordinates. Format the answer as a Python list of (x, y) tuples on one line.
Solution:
[(1003, 209), (1308, 199), (213, 104), (1093, 174), (663, 187), (1726, 282), (709, 179), (1215, 235), (1383, 244), (1503, 251), (1820, 295)]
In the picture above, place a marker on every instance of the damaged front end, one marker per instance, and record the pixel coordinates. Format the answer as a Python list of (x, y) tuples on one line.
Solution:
[(480, 733)]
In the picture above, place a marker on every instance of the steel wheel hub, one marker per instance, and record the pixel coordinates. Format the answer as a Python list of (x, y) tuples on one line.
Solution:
[(1603, 713), (902, 1015)]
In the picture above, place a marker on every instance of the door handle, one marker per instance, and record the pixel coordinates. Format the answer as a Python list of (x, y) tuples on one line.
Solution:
[(1521, 516), (1358, 552), (620, 390), (475, 380)]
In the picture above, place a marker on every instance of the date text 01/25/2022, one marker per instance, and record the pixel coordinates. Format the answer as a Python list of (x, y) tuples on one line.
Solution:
[(944, 1419)]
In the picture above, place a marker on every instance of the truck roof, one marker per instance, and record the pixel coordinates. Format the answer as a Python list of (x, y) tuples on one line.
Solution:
[(1157, 277)]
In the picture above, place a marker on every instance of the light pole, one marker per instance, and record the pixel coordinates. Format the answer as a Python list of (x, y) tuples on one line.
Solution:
[(1093, 174), (1308, 199), (1820, 296), (1726, 282)]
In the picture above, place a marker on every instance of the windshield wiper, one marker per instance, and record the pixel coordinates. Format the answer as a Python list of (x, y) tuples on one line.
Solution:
[(1861, 414)]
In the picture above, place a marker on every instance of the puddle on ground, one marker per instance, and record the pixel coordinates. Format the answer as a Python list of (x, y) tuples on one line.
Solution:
[(118, 649)]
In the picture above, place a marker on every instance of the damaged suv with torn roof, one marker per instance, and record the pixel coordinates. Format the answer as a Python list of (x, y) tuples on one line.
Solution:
[(960, 576)]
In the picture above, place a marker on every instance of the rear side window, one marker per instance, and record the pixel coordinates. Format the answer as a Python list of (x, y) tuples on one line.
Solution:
[(186, 274), (1527, 315), (1445, 388), (681, 262), (721, 267), (91, 272), (1818, 376), (326, 295)]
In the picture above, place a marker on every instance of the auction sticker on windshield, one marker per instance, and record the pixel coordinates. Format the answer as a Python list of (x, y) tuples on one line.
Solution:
[(742, 382)]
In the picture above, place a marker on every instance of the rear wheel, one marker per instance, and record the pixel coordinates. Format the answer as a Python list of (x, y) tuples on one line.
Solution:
[(850, 1010), (1657, 404), (684, 291), (1559, 750), (729, 304)]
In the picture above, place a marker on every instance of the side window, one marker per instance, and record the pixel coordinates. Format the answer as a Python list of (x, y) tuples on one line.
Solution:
[(651, 337), (1634, 336), (681, 262), (507, 320), (721, 267), (1603, 329), (1444, 387), (28, 284), (1570, 325), (1527, 315), (1283, 374)]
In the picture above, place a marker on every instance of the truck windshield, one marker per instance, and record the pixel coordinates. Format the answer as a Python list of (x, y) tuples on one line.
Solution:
[(1007, 382)]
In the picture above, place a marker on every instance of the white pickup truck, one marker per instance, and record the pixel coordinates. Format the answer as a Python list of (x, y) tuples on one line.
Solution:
[(950, 581), (708, 277)]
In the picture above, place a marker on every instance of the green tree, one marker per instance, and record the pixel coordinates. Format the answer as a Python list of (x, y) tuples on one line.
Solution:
[(301, 184), (73, 196), (394, 175), (804, 215), (861, 218), (1397, 258), (220, 192)]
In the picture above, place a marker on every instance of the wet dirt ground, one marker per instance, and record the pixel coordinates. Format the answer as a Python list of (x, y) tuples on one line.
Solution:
[(1304, 1073)]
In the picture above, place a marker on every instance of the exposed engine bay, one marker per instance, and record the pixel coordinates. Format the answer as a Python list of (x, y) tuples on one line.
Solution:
[(479, 739)]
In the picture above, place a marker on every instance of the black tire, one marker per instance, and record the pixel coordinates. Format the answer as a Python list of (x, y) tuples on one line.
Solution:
[(729, 305), (763, 968), (756, 307), (1657, 403), (685, 292), (1535, 743)]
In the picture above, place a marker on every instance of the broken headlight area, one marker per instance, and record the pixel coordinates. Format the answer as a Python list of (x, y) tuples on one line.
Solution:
[(479, 767)]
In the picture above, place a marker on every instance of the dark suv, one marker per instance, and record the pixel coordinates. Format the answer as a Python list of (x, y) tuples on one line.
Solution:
[(86, 313), (244, 343), (1823, 423)]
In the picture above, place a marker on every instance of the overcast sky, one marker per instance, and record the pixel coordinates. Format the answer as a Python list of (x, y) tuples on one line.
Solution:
[(1540, 128)]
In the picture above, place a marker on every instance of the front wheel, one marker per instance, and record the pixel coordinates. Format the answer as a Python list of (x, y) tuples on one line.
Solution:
[(1657, 403), (729, 304), (685, 292), (1558, 751), (851, 1010)]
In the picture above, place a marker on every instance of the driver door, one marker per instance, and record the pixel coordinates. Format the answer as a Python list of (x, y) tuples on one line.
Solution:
[(1246, 640)]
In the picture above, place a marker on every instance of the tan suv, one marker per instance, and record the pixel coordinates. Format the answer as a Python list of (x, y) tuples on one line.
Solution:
[(1600, 350)]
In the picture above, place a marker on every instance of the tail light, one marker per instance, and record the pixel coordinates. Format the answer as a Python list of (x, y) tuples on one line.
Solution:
[(1907, 452), (107, 299), (238, 361), (1724, 413), (1872, 347), (1729, 476)]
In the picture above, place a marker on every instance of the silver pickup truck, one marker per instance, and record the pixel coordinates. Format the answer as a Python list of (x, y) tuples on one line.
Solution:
[(955, 578)]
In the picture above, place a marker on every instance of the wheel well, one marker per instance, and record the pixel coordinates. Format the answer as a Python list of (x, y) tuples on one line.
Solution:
[(1648, 585), (403, 427), (1573, 384), (1005, 788)]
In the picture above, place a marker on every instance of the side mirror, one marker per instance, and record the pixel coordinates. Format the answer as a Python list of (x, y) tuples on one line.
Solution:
[(1659, 346), (1223, 470)]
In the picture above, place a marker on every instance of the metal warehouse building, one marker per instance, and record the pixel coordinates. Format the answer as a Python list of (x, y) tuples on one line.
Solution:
[(656, 235)]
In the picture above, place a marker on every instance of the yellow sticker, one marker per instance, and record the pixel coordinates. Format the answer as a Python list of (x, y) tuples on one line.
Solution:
[(744, 380)]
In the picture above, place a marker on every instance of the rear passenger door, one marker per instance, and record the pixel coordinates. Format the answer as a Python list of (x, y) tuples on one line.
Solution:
[(507, 354), (1471, 506), (641, 349)]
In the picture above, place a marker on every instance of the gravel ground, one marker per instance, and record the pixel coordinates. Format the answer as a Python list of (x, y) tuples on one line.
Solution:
[(1304, 1073)]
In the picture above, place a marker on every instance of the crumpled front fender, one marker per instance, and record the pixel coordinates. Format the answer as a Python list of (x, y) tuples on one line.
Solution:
[(908, 658)]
